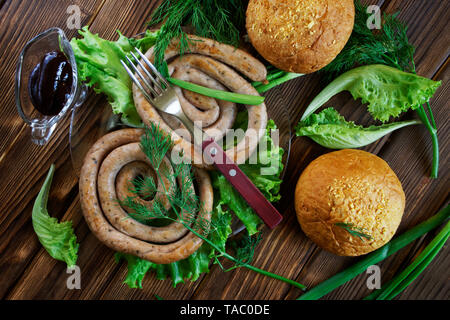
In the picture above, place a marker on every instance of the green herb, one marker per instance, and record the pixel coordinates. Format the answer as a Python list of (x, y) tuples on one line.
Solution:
[(401, 281), (57, 238), (99, 66), (353, 230), (218, 94), (180, 202), (158, 297), (387, 90), (389, 46), (219, 20), (331, 130), (155, 144), (380, 254)]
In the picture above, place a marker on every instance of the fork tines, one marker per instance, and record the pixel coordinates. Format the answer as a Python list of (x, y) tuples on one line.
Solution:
[(150, 82)]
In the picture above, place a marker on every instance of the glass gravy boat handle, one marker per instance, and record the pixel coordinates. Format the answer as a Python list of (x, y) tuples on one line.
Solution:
[(42, 126)]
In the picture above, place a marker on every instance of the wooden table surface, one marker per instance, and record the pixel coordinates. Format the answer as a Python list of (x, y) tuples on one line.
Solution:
[(28, 272)]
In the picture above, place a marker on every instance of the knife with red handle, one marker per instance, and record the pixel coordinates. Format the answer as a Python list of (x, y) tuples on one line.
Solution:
[(265, 210)]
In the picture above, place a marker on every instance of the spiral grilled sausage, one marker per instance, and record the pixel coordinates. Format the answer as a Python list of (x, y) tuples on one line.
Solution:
[(109, 166), (204, 66)]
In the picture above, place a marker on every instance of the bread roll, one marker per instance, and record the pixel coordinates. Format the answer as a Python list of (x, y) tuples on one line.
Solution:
[(350, 187), (299, 36)]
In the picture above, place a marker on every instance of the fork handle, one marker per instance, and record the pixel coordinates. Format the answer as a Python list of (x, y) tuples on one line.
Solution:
[(265, 210)]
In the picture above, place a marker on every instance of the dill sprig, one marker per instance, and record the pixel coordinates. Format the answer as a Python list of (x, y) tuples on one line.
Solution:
[(245, 248), (185, 204), (354, 230), (389, 46), (219, 20), (145, 187)]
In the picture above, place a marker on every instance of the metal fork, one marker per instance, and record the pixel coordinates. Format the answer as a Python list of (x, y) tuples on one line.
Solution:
[(157, 90)]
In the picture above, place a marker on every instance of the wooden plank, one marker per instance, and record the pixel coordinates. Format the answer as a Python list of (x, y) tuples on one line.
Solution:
[(22, 164)]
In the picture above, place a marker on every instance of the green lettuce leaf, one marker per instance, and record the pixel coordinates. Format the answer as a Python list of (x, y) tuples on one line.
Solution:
[(388, 91), (265, 173), (331, 130), (98, 62), (57, 238)]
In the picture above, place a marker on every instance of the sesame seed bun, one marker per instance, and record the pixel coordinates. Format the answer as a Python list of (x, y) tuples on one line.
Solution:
[(350, 188), (299, 36)]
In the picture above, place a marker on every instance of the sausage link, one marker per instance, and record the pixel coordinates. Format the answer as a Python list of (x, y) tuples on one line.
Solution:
[(98, 179)]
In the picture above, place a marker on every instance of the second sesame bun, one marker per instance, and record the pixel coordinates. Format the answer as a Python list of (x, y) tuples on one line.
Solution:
[(299, 36), (349, 190)]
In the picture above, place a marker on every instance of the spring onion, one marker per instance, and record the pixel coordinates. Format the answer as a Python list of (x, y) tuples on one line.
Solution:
[(373, 258), (278, 79)]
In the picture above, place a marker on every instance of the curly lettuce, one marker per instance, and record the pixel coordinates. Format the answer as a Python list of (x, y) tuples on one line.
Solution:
[(58, 239), (98, 62), (387, 91), (329, 129)]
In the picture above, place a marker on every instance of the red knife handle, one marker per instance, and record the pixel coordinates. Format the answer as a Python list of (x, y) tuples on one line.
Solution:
[(241, 183)]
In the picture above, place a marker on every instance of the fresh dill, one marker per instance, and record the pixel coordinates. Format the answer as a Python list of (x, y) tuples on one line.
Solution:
[(186, 205), (218, 20), (354, 230), (244, 247)]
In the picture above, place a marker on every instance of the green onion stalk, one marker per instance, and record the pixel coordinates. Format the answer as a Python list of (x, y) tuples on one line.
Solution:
[(432, 129)]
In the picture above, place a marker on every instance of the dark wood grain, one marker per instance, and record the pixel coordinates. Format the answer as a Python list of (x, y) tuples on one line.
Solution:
[(28, 272)]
